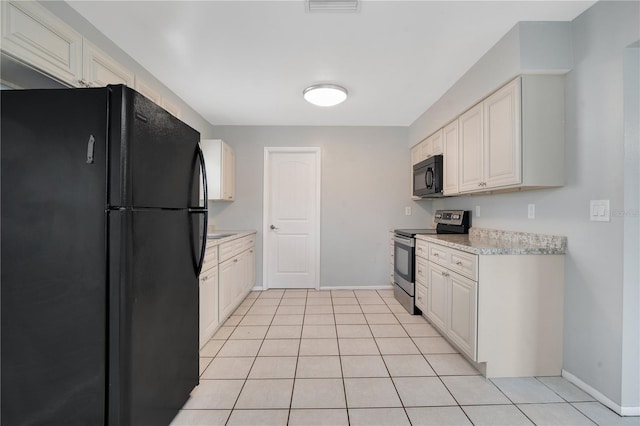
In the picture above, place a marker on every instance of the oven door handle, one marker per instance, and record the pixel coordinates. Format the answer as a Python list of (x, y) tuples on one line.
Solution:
[(409, 242)]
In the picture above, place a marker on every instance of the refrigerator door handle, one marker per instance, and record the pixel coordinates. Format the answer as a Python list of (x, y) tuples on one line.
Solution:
[(202, 210), (203, 169)]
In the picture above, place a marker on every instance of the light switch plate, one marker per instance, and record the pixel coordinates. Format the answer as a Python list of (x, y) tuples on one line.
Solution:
[(407, 211), (531, 211), (477, 211), (599, 211)]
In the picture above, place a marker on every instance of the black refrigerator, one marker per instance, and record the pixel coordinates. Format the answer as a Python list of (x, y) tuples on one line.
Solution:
[(102, 242)]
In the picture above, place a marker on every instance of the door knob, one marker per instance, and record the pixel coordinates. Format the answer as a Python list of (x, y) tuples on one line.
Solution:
[(273, 227)]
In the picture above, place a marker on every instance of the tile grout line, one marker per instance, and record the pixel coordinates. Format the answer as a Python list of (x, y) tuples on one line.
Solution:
[(295, 371), (254, 358), (344, 386)]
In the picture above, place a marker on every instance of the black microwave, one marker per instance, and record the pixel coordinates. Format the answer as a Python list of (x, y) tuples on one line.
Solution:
[(427, 177)]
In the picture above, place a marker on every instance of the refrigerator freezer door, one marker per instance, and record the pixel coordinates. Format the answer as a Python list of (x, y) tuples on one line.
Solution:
[(53, 281), (153, 155), (154, 331)]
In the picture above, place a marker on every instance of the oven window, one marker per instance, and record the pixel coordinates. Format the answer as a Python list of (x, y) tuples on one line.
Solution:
[(402, 263)]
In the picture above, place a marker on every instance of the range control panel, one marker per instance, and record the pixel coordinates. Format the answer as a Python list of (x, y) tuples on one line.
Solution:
[(450, 217)]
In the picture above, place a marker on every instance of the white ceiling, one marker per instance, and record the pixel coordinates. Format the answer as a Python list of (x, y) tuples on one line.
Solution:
[(247, 62)]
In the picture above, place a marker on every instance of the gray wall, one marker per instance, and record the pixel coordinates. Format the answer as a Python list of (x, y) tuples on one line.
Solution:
[(365, 188), (594, 322), (529, 47), (66, 13), (631, 289)]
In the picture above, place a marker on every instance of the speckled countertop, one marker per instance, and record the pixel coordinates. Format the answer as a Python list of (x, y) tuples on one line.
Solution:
[(213, 240), (491, 242)]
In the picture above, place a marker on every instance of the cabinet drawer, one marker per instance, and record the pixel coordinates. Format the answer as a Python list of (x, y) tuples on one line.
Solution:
[(247, 243), (227, 250), (211, 255), (209, 272), (237, 246), (422, 249), (421, 271), (439, 254), (465, 264), (456, 260)]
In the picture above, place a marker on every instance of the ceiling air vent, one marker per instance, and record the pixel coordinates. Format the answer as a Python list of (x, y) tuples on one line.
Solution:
[(332, 5)]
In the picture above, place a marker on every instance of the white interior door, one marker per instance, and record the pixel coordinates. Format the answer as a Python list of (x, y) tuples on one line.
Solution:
[(292, 218)]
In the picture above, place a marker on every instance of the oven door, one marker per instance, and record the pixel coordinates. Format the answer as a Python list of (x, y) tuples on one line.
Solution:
[(403, 268)]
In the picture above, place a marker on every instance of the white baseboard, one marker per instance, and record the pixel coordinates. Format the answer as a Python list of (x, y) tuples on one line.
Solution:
[(339, 287), (623, 411), (357, 287)]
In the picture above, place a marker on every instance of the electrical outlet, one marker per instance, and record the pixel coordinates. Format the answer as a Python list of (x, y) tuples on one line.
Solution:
[(477, 211), (531, 211), (407, 211)]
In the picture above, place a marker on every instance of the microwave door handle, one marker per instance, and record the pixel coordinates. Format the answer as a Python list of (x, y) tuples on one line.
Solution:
[(428, 178)]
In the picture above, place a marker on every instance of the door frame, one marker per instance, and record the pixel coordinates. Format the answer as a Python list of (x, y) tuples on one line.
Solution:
[(266, 206)]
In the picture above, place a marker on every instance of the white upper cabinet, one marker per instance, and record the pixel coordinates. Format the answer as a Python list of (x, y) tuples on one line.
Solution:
[(514, 139), (149, 92), (502, 147), (220, 163), (470, 157), (436, 143), (36, 37), (450, 158), (99, 69), (416, 154), (170, 107)]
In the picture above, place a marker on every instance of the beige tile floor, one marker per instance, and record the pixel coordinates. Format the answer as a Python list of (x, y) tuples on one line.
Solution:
[(299, 357)]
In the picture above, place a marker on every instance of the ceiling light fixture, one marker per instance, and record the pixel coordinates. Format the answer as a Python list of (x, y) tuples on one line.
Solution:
[(325, 95)]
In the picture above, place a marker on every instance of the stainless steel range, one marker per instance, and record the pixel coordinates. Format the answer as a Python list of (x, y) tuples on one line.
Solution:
[(447, 222)]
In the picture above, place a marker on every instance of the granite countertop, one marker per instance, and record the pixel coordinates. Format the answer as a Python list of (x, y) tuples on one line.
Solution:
[(495, 242), (220, 236)]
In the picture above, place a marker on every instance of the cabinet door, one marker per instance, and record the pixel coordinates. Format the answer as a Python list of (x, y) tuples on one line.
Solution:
[(436, 143), (251, 268), (462, 306), (228, 172), (208, 304), (450, 158), (421, 297), (227, 284), (38, 38), (502, 146), (99, 69), (392, 256), (422, 267), (437, 308), (416, 155), (427, 148), (470, 164)]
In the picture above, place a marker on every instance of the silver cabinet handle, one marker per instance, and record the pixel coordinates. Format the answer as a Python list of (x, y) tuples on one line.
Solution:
[(459, 263), (435, 255), (235, 260), (273, 227)]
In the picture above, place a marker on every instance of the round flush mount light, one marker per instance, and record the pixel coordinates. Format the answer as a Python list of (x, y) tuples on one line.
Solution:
[(325, 95)]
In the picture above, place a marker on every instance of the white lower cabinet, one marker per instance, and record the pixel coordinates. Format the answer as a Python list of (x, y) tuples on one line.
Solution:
[(208, 304), (438, 285), (504, 312), (209, 319), (462, 328), (228, 287), (237, 273)]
